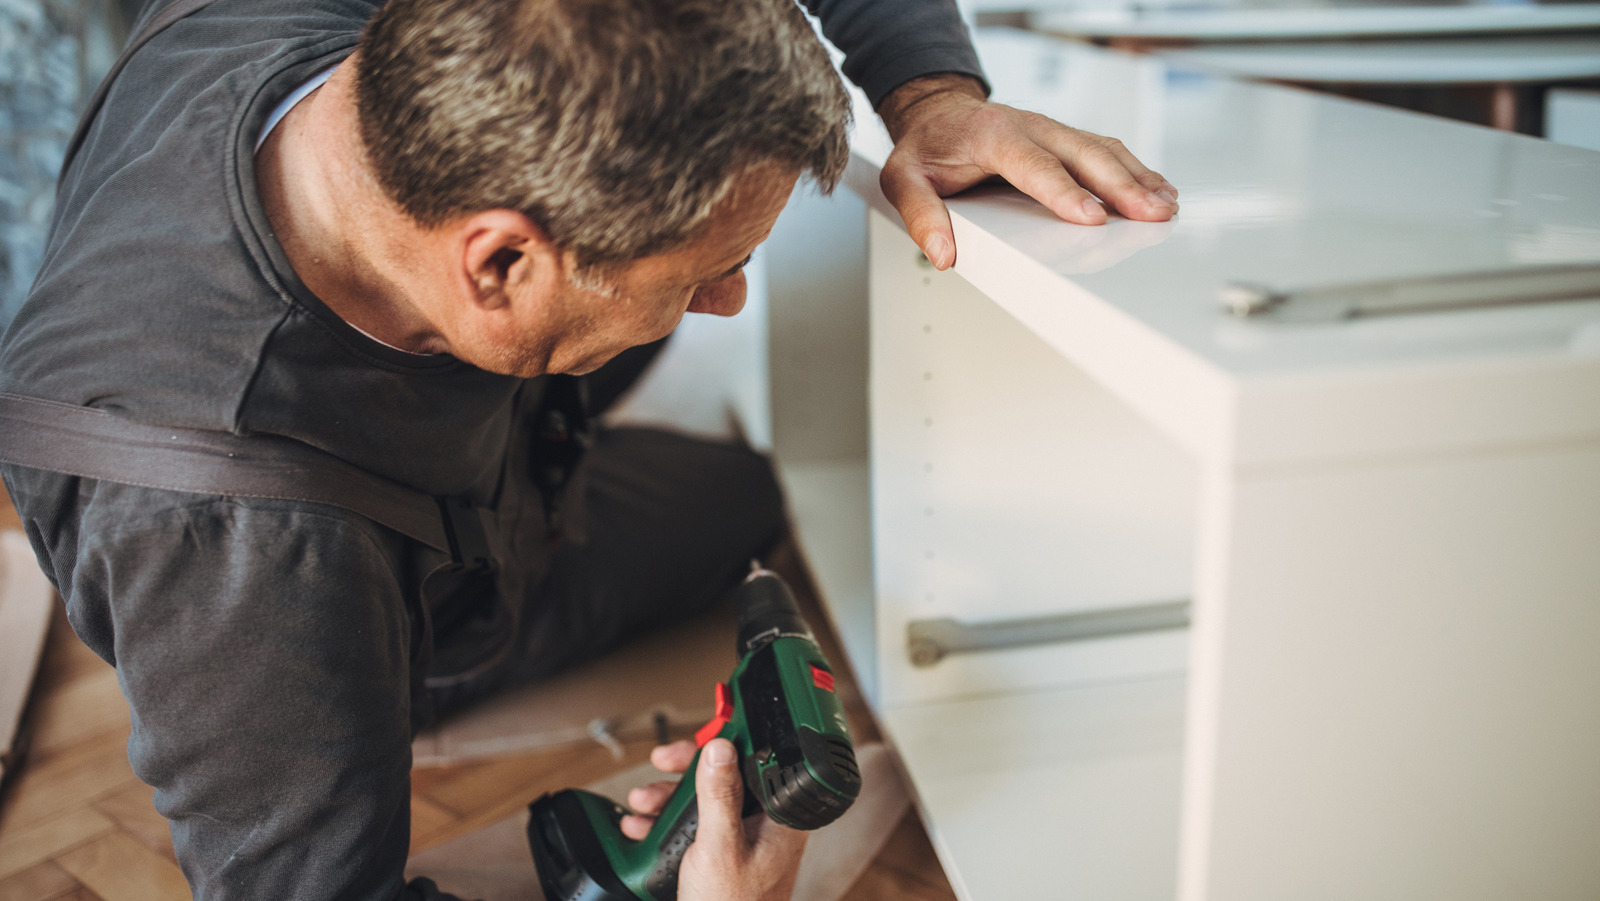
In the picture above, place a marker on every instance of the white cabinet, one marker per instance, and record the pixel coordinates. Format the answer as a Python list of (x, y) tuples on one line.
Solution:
[(1389, 528)]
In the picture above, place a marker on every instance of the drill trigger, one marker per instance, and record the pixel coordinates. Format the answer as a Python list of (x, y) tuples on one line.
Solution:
[(722, 716)]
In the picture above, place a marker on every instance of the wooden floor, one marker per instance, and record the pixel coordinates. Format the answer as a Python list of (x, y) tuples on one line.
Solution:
[(77, 825)]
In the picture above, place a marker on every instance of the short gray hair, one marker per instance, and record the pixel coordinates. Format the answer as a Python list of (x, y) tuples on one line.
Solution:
[(614, 124)]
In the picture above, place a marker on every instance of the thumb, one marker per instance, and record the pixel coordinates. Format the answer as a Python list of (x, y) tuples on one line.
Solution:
[(720, 795)]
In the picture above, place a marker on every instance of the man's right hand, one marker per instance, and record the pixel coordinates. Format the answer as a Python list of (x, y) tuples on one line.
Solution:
[(731, 859), (948, 137)]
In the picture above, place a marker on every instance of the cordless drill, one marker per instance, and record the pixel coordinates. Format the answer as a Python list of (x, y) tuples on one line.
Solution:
[(788, 729)]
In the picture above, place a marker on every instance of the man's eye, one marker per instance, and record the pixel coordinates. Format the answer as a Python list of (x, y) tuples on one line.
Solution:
[(737, 268)]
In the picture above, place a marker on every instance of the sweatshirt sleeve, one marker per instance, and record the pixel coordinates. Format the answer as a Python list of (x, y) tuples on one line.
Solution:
[(889, 42), (266, 650)]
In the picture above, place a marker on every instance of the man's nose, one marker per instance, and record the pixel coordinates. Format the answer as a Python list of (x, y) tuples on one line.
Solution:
[(723, 297)]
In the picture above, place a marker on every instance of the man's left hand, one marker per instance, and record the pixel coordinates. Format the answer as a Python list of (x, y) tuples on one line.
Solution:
[(948, 137), (731, 859)]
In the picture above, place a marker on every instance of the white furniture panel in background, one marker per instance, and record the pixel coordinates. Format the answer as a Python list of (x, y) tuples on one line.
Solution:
[(1210, 20), (1572, 116)]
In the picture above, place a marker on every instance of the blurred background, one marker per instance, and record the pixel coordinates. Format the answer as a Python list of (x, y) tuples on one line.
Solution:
[(52, 55)]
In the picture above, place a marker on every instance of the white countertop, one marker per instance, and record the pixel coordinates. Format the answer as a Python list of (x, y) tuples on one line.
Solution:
[(1213, 20), (1281, 187), (1542, 59)]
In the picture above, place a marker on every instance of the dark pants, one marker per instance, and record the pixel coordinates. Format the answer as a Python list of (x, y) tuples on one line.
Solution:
[(670, 525)]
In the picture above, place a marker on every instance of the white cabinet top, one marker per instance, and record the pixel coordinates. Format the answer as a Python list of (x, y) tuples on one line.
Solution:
[(1281, 187)]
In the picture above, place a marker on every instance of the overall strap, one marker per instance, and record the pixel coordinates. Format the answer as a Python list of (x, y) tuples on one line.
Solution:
[(95, 444), (172, 13)]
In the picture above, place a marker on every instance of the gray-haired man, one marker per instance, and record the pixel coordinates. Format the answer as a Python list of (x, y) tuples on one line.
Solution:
[(400, 250)]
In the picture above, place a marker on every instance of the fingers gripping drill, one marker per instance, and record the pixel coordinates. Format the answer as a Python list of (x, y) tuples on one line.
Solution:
[(798, 764)]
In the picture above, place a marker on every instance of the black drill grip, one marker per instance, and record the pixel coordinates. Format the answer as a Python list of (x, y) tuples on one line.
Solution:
[(663, 880), (675, 842)]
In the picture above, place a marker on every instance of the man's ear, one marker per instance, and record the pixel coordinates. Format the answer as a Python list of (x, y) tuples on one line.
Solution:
[(502, 251)]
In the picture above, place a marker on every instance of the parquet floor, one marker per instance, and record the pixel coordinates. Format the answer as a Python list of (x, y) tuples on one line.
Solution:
[(77, 825)]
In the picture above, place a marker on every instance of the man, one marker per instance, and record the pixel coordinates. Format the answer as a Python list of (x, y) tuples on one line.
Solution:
[(402, 242)]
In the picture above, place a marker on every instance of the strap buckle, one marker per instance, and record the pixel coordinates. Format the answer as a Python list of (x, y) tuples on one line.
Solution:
[(463, 526)]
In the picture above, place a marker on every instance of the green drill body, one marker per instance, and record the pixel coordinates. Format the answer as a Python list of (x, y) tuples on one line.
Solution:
[(795, 756)]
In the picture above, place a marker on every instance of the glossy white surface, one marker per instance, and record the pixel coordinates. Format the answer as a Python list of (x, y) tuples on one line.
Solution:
[(1481, 60), (1287, 187), (1224, 20), (1281, 187)]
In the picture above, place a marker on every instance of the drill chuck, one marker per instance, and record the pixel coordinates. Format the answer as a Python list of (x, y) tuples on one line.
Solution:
[(767, 610)]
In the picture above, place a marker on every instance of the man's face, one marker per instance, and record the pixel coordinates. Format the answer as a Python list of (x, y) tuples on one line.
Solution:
[(587, 322)]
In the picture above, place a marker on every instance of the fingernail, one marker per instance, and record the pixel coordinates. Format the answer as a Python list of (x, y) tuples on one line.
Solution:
[(1165, 197), (720, 753), (939, 251), (1092, 208)]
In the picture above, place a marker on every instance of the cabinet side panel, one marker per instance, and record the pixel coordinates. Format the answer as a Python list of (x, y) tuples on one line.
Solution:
[(1006, 485), (1405, 688)]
